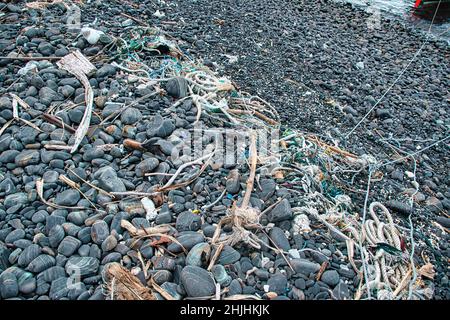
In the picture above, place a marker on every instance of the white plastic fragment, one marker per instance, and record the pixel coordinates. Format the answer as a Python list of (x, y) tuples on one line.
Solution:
[(264, 261), (91, 35), (30, 66), (301, 224), (150, 209), (159, 14), (266, 288), (294, 253), (231, 59)]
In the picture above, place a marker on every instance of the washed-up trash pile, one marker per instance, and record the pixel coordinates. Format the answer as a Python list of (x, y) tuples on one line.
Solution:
[(133, 171)]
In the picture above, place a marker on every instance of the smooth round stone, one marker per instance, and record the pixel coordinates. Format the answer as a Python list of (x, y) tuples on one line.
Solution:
[(52, 273), (59, 288), (146, 166), (52, 221), (304, 266), (161, 127), (163, 218), (130, 116), (71, 229), (39, 216), (162, 276), (82, 266), (27, 157), (40, 263), (146, 249), (163, 263), (300, 284), (188, 221), (235, 287), (29, 254), (9, 287), (15, 235), (278, 283), (112, 257), (221, 275), (68, 197), (330, 277), (77, 217), (171, 288), (109, 244), (280, 212), (68, 246), (99, 231), (14, 256), (84, 235), (93, 153), (209, 230), (177, 87), (56, 235), (267, 189), (228, 255), (262, 274), (197, 282), (27, 286), (233, 184), (279, 238), (50, 176), (84, 250), (187, 240)]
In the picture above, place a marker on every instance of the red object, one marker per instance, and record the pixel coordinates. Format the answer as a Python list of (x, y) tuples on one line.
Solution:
[(402, 241), (417, 4)]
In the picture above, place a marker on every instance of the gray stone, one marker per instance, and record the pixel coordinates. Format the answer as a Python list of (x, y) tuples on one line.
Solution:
[(109, 243), (188, 221), (82, 266), (106, 70), (228, 255), (14, 199), (68, 246), (280, 212), (52, 273), (99, 232), (40, 263), (15, 235), (187, 239), (56, 235), (9, 287), (177, 87), (267, 188), (130, 116), (146, 166), (233, 184), (48, 95), (69, 197), (197, 282), (28, 254), (341, 291), (278, 283), (330, 277), (108, 180), (279, 238), (8, 156), (27, 157), (304, 266)]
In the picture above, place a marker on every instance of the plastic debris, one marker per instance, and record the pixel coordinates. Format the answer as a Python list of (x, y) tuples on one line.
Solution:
[(30, 66), (301, 224), (150, 209), (91, 35)]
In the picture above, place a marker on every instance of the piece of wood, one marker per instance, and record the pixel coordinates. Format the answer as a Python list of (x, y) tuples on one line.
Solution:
[(78, 65)]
